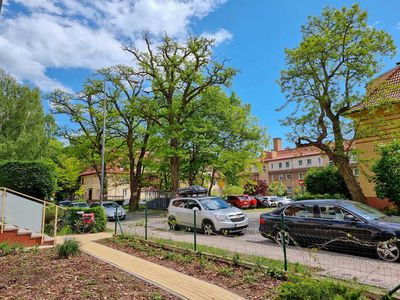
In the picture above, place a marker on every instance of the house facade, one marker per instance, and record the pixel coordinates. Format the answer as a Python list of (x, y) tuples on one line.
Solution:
[(379, 123)]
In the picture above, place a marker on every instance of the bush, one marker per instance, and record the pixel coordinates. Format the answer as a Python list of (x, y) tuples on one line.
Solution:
[(33, 178), (7, 249), (232, 190), (312, 289), (99, 216), (309, 196), (325, 180), (69, 248)]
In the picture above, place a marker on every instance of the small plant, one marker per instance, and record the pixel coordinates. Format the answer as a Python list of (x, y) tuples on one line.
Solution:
[(275, 273), (236, 259), (170, 255), (185, 258), (157, 296), (203, 261), (7, 249), (69, 248), (226, 271), (249, 276)]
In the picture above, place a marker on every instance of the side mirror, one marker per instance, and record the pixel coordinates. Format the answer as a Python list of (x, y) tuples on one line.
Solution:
[(350, 218), (195, 208)]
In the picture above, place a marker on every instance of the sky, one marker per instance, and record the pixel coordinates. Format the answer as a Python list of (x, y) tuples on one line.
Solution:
[(58, 43)]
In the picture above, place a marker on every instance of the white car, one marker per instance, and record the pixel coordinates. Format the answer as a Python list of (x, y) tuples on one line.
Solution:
[(283, 201), (111, 208), (213, 215), (270, 201)]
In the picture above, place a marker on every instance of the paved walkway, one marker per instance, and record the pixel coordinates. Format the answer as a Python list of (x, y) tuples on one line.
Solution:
[(182, 285)]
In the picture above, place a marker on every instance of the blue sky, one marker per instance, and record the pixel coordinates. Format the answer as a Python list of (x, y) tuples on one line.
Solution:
[(57, 43)]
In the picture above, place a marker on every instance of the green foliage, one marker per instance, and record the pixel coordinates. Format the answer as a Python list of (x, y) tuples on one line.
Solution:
[(35, 178), (275, 273), (338, 55), (387, 171), (99, 216), (277, 188), (309, 196), (311, 289), (69, 248), (326, 180), (24, 128), (9, 249), (236, 259), (232, 190)]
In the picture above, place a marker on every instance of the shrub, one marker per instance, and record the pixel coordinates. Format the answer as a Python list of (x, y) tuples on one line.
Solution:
[(7, 249), (69, 248), (33, 178), (232, 190), (325, 180), (311, 289), (99, 216), (309, 196)]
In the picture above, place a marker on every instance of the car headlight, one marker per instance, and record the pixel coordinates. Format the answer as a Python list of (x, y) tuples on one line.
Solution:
[(222, 218)]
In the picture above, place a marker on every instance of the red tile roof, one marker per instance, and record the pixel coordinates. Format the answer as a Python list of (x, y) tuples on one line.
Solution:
[(384, 87), (110, 170), (291, 153)]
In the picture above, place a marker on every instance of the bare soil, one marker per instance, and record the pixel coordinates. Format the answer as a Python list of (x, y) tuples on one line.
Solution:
[(44, 276), (248, 283)]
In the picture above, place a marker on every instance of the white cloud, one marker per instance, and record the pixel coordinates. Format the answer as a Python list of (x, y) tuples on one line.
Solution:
[(87, 33), (220, 36), (398, 26)]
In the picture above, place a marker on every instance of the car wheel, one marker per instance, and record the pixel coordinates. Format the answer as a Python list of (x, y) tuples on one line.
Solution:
[(280, 204), (388, 251), (208, 228), (172, 223), (279, 235)]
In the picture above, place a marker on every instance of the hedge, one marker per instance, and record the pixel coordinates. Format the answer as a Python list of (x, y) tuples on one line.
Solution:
[(99, 216), (33, 178), (309, 196)]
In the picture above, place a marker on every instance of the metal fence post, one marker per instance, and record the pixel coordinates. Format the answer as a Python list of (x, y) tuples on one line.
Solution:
[(55, 222), (284, 241), (116, 217), (145, 219), (194, 230)]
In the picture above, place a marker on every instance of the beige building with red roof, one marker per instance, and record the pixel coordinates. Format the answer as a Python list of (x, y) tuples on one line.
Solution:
[(379, 123)]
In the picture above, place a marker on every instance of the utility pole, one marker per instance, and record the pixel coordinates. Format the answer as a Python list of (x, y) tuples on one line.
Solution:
[(1, 4), (103, 146)]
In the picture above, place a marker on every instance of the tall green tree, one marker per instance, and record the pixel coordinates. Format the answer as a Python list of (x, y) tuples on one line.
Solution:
[(339, 53), (387, 171), (325, 180), (178, 73), (24, 127)]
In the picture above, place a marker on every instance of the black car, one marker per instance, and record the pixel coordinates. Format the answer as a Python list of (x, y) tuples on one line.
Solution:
[(335, 225), (65, 203)]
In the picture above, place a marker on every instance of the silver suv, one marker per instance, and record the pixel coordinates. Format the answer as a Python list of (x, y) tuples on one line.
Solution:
[(213, 215)]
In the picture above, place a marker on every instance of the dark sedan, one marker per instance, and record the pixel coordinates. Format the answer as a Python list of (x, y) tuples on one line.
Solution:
[(335, 224)]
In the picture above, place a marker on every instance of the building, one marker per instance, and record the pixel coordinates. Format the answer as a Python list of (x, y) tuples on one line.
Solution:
[(290, 165), (117, 184), (379, 123)]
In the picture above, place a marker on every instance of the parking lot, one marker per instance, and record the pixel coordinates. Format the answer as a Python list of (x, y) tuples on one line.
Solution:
[(362, 269)]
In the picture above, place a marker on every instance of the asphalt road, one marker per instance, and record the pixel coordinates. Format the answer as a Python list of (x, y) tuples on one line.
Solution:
[(362, 269)]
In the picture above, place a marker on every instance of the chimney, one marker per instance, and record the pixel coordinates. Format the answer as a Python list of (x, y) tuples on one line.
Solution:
[(277, 144)]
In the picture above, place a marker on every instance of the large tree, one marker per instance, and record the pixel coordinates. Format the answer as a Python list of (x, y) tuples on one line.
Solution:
[(24, 127), (178, 73), (339, 53)]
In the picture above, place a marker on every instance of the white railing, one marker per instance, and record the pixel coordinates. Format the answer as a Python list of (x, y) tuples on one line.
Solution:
[(25, 212)]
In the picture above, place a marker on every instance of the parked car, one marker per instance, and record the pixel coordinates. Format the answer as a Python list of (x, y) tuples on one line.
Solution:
[(252, 200), (336, 225), (65, 203), (238, 201), (80, 204), (110, 208), (261, 202), (270, 201), (280, 201), (214, 215)]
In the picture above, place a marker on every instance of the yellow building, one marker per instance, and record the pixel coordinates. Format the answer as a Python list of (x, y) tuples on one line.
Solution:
[(377, 122)]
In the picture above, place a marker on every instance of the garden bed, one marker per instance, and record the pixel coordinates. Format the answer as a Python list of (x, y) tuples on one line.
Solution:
[(41, 275), (249, 282)]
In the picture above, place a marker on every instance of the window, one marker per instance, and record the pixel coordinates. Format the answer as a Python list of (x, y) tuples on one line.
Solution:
[(287, 164), (280, 165), (302, 211), (356, 172), (272, 178), (82, 180), (289, 190), (331, 212), (264, 168), (309, 162), (272, 166), (319, 160), (300, 175), (180, 203), (300, 162), (280, 177), (288, 176), (192, 204)]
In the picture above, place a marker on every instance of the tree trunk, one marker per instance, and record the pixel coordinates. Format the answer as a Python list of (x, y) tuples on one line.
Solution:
[(352, 184), (175, 164), (133, 201), (212, 180)]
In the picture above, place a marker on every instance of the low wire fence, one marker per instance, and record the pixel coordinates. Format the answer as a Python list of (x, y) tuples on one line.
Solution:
[(326, 244)]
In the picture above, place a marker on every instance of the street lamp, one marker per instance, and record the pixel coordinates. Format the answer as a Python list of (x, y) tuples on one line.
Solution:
[(103, 146)]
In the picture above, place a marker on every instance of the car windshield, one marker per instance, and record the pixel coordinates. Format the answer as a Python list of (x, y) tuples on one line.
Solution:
[(367, 212), (214, 204), (80, 204), (110, 205)]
